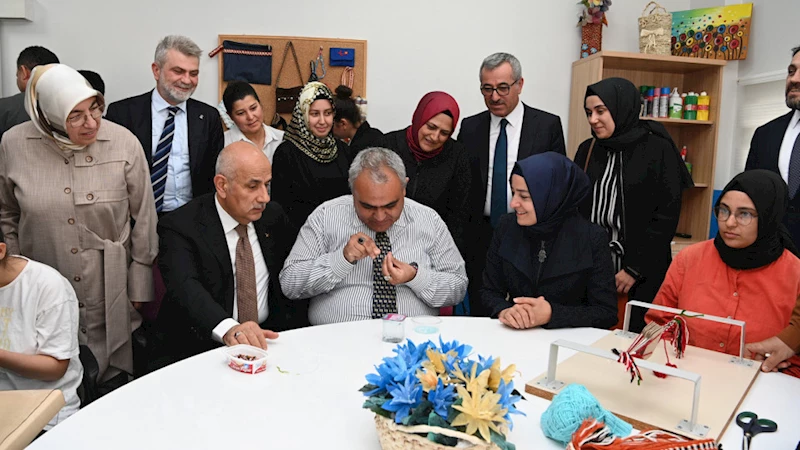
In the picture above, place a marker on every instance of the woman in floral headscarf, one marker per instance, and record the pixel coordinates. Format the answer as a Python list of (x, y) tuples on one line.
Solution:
[(310, 166), (75, 194)]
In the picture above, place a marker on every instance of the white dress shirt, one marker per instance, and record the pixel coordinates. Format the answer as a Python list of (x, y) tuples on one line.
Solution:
[(178, 188), (513, 132), (272, 139), (316, 268), (785, 156), (229, 225)]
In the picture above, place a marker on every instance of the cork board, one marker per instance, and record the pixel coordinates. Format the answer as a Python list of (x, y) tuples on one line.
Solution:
[(307, 49), (658, 403)]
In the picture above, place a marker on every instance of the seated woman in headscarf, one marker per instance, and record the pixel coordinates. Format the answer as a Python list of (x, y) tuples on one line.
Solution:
[(244, 108), (437, 166), (547, 265), (310, 166), (348, 126), (76, 195), (39, 349), (749, 271), (637, 179)]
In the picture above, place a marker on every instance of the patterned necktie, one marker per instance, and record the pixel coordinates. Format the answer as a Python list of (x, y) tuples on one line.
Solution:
[(384, 294), (158, 173), (794, 168), (499, 205), (247, 304)]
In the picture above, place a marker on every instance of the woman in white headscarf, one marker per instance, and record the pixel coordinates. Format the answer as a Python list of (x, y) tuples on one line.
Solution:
[(75, 194)]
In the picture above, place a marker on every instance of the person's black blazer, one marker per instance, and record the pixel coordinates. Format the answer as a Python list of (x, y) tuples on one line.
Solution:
[(765, 149), (198, 273), (204, 128), (541, 132), (576, 278)]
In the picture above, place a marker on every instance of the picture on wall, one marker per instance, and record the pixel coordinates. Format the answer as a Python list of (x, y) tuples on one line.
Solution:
[(722, 32)]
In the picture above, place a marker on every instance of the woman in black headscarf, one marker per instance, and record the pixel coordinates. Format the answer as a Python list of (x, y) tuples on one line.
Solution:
[(637, 179), (749, 272), (547, 265)]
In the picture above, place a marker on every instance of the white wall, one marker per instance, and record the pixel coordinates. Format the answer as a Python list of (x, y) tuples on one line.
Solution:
[(775, 24), (414, 46)]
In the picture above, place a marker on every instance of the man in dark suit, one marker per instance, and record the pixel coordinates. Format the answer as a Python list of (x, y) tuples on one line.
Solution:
[(12, 109), (508, 132), (776, 146), (183, 136), (220, 256)]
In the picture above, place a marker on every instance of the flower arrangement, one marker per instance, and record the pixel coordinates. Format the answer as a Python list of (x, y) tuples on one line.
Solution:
[(594, 11), (441, 387)]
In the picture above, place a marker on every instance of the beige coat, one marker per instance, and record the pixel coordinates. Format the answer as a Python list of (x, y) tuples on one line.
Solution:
[(72, 210)]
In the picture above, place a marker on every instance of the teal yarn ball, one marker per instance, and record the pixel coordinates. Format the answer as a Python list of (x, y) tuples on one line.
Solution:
[(570, 408)]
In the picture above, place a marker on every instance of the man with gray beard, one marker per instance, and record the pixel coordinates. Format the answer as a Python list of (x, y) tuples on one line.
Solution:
[(776, 146), (181, 137)]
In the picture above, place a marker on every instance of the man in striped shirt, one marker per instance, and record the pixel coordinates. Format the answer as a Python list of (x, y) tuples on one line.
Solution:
[(374, 252)]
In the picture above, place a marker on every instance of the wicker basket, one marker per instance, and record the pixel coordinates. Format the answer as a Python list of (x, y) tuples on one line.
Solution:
[(399, 437), (655, 30)]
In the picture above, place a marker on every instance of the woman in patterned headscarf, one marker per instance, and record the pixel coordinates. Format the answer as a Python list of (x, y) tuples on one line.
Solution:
[(75, 194), (310, 166)]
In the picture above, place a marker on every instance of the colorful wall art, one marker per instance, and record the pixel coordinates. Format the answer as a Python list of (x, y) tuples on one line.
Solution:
[(715, 33)]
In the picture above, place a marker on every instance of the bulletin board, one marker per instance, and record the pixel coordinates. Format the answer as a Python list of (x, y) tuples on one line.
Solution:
[(307, 49)]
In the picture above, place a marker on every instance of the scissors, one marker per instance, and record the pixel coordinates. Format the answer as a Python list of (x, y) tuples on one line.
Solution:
[(752, 425)]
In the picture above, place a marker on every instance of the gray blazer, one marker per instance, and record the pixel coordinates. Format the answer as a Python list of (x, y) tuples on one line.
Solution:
[(12, 112)]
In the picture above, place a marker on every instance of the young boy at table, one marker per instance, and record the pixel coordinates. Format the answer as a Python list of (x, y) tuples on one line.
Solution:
[(38, 331)]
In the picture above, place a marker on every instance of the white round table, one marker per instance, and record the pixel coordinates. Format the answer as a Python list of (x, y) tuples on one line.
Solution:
[(200, 403)]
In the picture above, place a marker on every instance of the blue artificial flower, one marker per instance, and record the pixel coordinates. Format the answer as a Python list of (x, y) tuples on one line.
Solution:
[(405, 396), (412, 354), (442, 397), (394, 369), (507, 401), (461, 350), (584, 46), (484, 363)]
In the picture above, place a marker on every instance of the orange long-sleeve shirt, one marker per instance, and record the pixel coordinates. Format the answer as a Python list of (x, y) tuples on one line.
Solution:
[(698, 280)]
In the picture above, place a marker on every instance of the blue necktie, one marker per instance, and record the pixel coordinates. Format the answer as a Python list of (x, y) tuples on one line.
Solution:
[(499, 205), (794, 168), (158, 173)]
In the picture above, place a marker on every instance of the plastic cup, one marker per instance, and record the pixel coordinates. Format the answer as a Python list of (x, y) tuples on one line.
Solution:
[(426, 324)]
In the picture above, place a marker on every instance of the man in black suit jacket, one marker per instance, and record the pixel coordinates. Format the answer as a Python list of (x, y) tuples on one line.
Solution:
[(528, 131), (776, 144), (201, 262), (198, 136)]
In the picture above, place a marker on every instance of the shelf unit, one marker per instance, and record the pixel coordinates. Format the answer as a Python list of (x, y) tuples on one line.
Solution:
[(699, 136)]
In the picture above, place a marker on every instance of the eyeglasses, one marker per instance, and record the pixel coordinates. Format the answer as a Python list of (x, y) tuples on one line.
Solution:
[(78, 121), (502, 90), (742, 217)]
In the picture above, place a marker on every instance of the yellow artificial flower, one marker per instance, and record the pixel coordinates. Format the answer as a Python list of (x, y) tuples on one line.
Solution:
[(428, 379), (436, 361), (496, 375), (480, 411), (473, 381), (596, 2)]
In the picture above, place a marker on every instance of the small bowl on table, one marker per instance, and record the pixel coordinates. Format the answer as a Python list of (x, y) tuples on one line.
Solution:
[(246, 358)]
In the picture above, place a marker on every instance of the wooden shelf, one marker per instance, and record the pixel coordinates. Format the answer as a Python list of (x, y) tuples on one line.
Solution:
[(699, 136), (678, 121)]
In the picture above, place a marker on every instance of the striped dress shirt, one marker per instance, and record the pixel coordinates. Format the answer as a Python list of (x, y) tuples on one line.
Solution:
[(316, 269)]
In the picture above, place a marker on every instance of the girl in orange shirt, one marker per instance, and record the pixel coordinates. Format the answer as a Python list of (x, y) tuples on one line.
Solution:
[(749, 272)]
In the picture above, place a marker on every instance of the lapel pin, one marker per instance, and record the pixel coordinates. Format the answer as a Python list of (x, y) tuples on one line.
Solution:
[(201, 117), (266, 234)]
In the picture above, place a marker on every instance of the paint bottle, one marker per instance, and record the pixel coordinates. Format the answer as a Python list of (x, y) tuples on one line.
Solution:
[(643, 94), (675, 105), (690, 107), (684, 151), (663, 104), (656, 102), (703, 104), (650, 100)]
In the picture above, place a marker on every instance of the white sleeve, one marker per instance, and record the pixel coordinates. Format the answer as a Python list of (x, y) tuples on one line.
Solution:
[(57, 320)]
